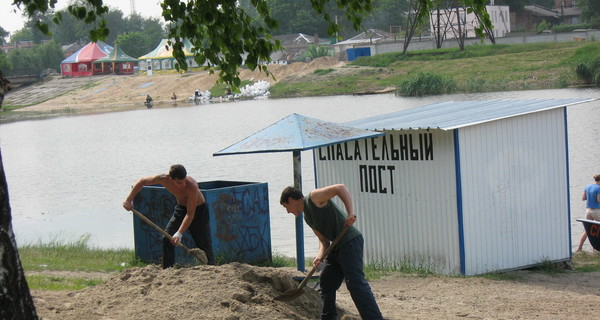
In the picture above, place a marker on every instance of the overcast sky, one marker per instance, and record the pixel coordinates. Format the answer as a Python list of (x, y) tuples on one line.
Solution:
[(11, 21)]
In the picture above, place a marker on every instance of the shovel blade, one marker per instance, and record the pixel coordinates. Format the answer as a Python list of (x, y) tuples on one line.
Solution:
[(290, 295), (199, 255)]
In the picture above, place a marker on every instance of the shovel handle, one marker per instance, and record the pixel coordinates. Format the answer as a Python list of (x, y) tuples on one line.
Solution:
[(159, 229), (325, 254)]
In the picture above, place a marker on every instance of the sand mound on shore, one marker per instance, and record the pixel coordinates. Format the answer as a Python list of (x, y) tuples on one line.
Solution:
[(231, 291)]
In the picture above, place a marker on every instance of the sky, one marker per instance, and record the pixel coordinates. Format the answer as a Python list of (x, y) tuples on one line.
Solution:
[(11, 21)]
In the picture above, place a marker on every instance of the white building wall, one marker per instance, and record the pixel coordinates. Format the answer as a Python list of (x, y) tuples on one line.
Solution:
[(411, 217), (449, 20), (515, 192)]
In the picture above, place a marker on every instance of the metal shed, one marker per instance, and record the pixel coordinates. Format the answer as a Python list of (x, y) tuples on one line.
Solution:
[(465, 187)]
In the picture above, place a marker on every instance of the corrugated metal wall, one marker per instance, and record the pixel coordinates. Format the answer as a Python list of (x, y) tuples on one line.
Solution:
[(515, 192), (404, 191)]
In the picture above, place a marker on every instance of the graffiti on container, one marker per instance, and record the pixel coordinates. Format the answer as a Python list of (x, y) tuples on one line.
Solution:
[(239, 220)]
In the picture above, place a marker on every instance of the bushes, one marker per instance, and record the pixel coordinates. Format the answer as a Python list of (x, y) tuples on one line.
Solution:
[(589, 70), (426, 84)]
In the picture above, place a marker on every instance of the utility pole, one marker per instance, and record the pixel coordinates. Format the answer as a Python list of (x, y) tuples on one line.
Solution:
[(132, 7)]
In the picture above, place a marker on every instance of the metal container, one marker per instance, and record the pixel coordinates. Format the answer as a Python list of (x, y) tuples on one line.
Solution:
[(239, 222)]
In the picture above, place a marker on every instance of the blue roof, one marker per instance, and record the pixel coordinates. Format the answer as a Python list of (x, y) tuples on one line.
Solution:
[(457, 114), (296, 133)]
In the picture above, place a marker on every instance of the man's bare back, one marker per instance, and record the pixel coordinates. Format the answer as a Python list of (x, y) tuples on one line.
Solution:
[(185, 190)]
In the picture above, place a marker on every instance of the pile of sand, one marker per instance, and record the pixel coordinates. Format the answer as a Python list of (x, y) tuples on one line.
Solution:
[(231, 291)]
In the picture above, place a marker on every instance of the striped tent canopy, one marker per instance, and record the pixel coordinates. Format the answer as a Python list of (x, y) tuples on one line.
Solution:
[(165, 51), (89, 53), (116, 55)]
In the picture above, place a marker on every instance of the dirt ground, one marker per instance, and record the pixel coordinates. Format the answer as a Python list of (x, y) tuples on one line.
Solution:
[(112, 92), (240, 291)]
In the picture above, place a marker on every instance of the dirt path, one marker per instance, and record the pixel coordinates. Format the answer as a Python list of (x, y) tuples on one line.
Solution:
[(240, 291)]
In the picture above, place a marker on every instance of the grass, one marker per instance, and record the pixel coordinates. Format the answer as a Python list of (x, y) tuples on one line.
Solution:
[(75, 256), (479, 68), (56, 283)]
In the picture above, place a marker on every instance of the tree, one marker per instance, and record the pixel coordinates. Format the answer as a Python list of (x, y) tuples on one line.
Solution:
[(3, 35), (590, 10), (136, 44), (15, 298)]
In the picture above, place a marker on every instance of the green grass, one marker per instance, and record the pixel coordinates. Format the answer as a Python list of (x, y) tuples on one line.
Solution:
[(479, 68), (55, 283), (75, 256), (586, 262)]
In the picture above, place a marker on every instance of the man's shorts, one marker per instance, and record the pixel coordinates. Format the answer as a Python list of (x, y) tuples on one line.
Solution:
[(592, 214)]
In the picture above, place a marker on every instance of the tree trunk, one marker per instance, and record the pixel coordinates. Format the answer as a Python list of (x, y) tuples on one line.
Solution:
[(15, 299), (5, 86)]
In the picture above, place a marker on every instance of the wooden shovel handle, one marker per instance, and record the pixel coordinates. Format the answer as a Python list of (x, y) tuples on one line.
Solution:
[(159, 229), (325, 254)]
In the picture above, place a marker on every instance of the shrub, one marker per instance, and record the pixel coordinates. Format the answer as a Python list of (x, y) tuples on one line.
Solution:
[(589, 70), (569, 27), (314, 52), (426, 84)]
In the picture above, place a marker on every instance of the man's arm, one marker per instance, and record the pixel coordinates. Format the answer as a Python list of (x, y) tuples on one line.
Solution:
[(157, 179), (324, 243), (190, 214), (320, 197)]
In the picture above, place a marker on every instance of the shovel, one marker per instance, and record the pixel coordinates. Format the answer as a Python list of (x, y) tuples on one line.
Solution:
[(295, 293), (196, 253)]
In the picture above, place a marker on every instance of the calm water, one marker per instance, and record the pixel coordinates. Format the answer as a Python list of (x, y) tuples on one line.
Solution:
[(68, 176)]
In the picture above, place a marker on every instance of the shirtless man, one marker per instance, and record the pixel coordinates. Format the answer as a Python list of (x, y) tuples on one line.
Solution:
[(191, 212)]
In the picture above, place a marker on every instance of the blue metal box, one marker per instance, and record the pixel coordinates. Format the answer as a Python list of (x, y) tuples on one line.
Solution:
[(239, 222)]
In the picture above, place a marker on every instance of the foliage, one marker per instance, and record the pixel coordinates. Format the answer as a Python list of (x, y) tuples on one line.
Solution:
[(590, 9), (314, 52), (77, 255), (426, 84), (32, 61), (589, 71), (321, 72), (136, 44), (55, 283), (225, 35), (3, 35), (544, 25), (570, 27)]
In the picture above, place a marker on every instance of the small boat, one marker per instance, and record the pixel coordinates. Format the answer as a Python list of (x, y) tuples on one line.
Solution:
[(592, 228)]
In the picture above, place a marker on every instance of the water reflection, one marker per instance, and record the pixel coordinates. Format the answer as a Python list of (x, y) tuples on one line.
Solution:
[(68, 175)]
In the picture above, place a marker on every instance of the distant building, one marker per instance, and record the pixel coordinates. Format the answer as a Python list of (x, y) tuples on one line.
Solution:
[(448, 21), (26, 44), (294, 46), (565, 12), (362, 40)]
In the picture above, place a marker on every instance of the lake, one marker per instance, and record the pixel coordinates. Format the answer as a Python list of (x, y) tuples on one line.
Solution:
[(68, 175)]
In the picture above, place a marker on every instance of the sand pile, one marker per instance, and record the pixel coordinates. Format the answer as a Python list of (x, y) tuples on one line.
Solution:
[(231, 291)]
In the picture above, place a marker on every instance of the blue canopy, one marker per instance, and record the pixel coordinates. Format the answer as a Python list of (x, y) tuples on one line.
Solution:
[(297, 133)]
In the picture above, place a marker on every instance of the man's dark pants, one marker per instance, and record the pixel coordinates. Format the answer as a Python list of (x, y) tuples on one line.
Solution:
[(199, 229), (347, 262)]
